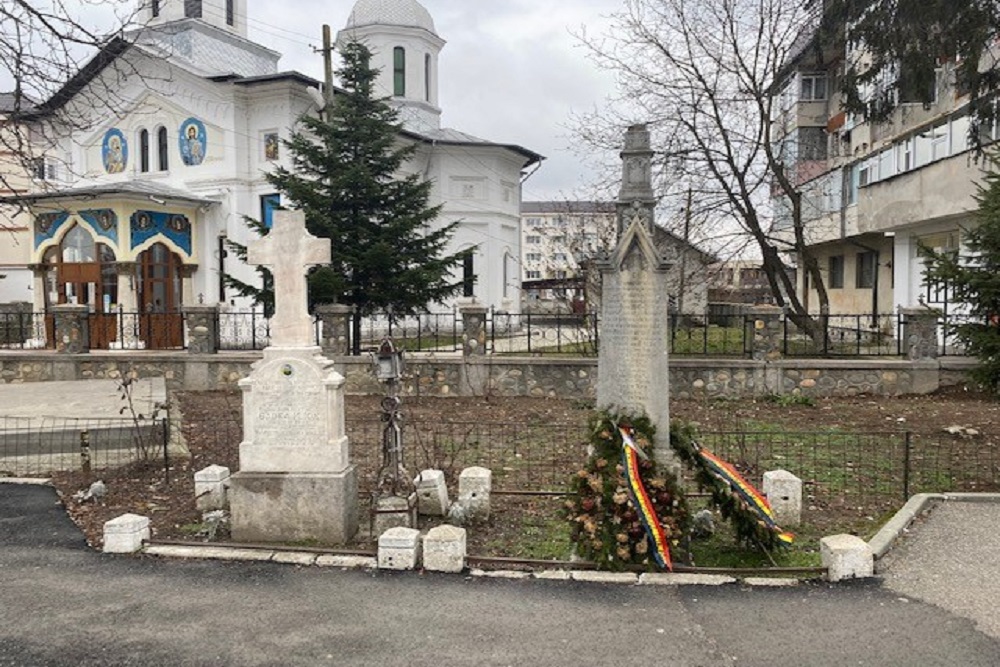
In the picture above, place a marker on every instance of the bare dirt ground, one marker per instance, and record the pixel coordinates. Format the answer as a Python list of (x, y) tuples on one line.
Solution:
[(208, 418)]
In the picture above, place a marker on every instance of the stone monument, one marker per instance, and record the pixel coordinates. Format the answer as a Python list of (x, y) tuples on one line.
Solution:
[(296, 481), (635, 317)]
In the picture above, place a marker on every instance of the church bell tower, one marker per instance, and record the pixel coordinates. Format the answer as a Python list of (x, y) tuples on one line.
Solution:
[(228, 15), (405, 49)]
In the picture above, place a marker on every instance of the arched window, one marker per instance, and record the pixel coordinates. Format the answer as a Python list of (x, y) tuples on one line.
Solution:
[(144, 150), (162, 153), (469, 273), (78, 246), (427, 77), (399, 71)]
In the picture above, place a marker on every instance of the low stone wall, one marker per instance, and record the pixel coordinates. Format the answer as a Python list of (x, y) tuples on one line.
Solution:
[(515, 376)]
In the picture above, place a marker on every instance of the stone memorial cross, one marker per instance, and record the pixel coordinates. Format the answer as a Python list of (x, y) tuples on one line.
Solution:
[(289, 251)]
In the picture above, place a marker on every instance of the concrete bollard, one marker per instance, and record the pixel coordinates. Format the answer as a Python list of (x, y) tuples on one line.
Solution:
[(432, 493), (474, 486), (211, 488), (846, 557), (444, 549), (125, 534), (399, 549), (784, 494)]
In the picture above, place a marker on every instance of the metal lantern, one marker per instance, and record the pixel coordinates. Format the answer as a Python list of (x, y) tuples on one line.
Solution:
[(388, 362)]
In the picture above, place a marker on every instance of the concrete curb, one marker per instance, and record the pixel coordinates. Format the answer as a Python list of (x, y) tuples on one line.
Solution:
[(306, 559), (897, 525), (26, 481), (884, 539)]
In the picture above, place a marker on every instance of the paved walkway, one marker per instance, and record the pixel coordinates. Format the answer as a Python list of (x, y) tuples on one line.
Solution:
[(78, 399), (62, 604), (951, 558)]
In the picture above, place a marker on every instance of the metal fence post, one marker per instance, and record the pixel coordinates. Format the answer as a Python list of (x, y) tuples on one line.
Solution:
[(907, 452), (85, 453), (165, 430)]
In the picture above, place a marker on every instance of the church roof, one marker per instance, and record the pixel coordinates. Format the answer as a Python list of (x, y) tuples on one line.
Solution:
[(133, 188), (407, 13), (449, 137)]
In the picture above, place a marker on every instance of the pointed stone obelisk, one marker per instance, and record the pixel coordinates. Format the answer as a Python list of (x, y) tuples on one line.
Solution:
[(633, 368), (296, 481)]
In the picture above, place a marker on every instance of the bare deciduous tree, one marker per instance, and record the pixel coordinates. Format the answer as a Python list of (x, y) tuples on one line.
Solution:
[(705, 76), (48, 51)]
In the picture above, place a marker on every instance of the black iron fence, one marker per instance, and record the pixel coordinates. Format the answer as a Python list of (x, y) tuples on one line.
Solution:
[(846, 476), (427, 332), (713, 335), (844, 336), (864, 474), (861, 472), (41, 446), (20, 330)]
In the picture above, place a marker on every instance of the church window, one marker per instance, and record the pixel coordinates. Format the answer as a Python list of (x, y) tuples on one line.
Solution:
[(192, 9), (468, 274), (427, 77), (144, 150), (230, 12), (399, 71), (156, 8), (162, 152)]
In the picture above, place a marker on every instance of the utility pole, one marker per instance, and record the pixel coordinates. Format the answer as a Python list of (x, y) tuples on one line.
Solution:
[(327, 67)]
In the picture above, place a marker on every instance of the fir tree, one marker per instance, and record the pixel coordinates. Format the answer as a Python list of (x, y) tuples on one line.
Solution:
[(973, 277), (387, 253)]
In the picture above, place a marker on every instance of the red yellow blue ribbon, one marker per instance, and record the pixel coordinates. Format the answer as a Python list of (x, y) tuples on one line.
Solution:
[(640, 498), (746, 491)]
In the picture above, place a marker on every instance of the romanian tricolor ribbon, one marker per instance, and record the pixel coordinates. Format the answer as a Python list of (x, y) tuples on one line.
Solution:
[(647, 513), (746, 491)]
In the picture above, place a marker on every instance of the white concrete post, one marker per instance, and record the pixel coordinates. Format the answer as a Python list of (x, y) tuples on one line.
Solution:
[(784, 494), (210, 488)]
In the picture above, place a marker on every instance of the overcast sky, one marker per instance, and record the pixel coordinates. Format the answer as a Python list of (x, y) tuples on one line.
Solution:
[(511, 71)]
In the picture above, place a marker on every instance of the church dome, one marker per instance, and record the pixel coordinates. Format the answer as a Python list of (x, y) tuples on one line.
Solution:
[(408, 13)]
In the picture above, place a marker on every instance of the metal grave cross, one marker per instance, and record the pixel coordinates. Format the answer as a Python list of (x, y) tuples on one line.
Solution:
[(289, 251)]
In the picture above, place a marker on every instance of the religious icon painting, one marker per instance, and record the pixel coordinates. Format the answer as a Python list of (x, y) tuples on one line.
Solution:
[(142, 221), (106, 219), (44, 222), (114, 151), (271, 150), (179, 224), (193, 142)]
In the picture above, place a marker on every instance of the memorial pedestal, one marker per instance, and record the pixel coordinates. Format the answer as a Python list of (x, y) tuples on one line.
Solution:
[(295, 481), (294, 507)]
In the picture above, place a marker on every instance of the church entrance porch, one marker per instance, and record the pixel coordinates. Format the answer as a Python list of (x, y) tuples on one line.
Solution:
[(161, 325)]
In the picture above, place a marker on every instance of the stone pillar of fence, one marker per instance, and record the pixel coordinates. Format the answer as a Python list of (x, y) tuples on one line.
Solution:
[(473, 330), (202, 323), (72, 328), (920, 333), (335, 318), (765, 332)]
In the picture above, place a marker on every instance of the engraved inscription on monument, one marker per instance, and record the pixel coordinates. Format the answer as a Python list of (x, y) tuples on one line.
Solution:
[(288, 405)]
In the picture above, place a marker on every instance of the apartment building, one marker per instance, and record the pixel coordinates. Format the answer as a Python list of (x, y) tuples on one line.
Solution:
[(875, 193)]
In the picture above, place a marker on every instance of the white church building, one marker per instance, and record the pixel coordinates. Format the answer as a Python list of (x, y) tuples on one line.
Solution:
[(183, 120)]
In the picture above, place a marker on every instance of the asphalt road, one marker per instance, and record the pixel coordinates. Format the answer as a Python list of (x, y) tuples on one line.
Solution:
[(62, 604)]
